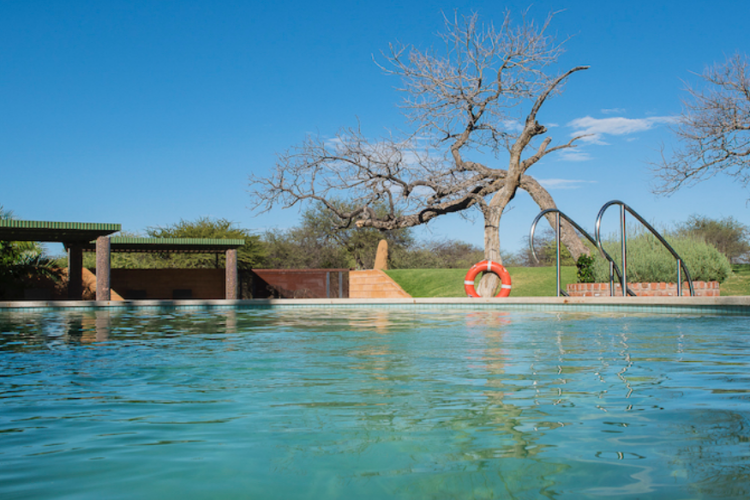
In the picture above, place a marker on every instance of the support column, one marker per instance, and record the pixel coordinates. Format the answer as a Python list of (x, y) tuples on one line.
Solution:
[(231, 275), (75, 268), (103, 265)]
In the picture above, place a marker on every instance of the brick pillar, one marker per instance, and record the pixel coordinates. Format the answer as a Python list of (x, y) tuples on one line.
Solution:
[(75, 268), (103, 264), (231, 275)]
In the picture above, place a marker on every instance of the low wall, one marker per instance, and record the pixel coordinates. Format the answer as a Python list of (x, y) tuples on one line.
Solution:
[(702, 289), (168, 283), (296, 283)]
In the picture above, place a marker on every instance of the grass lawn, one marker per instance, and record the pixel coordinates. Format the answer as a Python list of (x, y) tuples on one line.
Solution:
[(739, 282), (526, 281)]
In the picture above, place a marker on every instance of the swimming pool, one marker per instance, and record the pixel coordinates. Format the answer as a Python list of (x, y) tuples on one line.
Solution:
[(373, 403)]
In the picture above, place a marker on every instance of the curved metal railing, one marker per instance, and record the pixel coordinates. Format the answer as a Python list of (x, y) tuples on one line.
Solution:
[(612, 265), (623, 243)]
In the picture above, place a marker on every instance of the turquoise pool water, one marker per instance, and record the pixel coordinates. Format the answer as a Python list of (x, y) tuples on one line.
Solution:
[(369, 403)]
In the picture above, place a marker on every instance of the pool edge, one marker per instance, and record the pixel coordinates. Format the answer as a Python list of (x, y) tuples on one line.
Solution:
[(735, 305)]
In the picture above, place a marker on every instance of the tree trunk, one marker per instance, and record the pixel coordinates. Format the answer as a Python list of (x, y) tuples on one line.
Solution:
[(568, 235), (492, 215)]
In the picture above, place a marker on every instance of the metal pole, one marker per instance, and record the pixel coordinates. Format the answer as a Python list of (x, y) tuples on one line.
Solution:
[(611, 279), (557, 252), (679, 277), (623, 240)]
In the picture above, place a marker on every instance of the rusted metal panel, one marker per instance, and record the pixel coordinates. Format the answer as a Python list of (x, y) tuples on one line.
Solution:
[(297, 283)]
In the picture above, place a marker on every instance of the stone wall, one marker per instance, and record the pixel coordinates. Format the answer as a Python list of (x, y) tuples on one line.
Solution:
[(702, 289)]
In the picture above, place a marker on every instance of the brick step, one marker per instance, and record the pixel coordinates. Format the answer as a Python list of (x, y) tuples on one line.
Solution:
[(374, 284)]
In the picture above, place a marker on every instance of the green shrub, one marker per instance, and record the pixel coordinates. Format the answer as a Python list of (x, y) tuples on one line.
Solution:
[(585, 265), (649, 261)]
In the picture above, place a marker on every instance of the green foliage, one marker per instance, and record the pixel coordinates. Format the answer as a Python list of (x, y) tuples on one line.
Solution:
[(649, 261), (248, 256), (728, 235), (323, 241), (21, 261), (297, 249), (585, 266), (134, 260), (440, 254), (546, 252), (527, 281)]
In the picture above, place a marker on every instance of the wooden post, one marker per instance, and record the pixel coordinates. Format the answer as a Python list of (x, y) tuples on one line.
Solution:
[(231, 275), (75, 268), (103, 266)]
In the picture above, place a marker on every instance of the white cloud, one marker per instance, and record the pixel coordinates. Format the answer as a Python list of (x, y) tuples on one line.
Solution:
[(563, 183), (612, 111), (596, 128), (513, 125), (574, 154)]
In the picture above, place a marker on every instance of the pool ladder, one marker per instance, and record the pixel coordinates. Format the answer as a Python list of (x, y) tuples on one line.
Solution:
[(613, 268)]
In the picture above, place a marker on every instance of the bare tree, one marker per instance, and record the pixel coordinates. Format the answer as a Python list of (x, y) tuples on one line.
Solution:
[(713, 130), (463, 99)]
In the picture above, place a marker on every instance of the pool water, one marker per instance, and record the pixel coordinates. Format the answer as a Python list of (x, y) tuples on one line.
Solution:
[(373, 403)]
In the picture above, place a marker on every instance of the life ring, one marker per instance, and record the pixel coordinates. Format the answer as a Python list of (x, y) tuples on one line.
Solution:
[(491, 267)]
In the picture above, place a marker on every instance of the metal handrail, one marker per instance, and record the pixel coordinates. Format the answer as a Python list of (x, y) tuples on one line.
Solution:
[(612, 265), (623, 243)]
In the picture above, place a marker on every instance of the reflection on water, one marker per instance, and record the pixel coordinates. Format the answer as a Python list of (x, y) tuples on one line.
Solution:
[(368, 403)]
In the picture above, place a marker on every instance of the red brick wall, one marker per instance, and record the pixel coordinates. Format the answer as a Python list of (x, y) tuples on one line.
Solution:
[(702, 289)]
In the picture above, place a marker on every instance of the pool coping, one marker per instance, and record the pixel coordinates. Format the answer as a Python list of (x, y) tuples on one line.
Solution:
[(735, 305)]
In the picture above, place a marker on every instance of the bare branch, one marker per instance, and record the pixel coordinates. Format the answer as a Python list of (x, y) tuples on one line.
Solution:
[(713, 130), (467, 95)]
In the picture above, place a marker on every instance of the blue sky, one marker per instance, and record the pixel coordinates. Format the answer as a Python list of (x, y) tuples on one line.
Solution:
[(145, 113)]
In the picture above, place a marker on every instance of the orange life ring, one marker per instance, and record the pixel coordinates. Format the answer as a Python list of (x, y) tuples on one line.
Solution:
[(487, 266)]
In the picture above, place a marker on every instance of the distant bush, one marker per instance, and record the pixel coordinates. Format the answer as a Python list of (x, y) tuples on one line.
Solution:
[(728, 235), (649, 261), (436, 254)]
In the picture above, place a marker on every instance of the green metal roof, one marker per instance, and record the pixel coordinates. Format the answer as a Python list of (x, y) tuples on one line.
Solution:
[(38, 230), (194, 245)]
